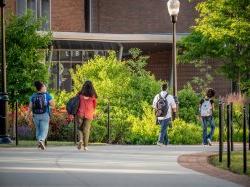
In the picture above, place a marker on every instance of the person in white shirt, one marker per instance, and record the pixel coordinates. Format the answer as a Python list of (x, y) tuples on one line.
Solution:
[(164, 119)]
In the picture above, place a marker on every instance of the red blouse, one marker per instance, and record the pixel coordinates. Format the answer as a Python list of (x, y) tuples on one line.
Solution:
[(87, 107)]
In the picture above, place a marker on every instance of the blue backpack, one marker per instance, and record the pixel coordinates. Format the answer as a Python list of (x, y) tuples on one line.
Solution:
[(73, 105)]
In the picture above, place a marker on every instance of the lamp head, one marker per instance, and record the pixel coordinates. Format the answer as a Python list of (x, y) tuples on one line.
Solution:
[(173, 7)]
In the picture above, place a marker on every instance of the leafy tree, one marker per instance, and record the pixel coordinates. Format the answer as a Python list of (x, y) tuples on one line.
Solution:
[(25, 57), (222, 31)]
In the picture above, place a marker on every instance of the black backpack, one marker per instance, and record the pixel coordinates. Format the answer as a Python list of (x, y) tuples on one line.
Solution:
[(39, 103), (162, 106), (73, 105)]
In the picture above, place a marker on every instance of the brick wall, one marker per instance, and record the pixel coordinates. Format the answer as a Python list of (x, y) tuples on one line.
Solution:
[(11, 6), (67, 15), (160, 66), (139, 16)]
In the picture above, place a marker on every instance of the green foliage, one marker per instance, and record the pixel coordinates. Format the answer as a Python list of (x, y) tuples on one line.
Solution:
[(138, 62), (61, 97), (222, 31), (201, 83), (188, 105), (116, 83), (66, 133), (144, 129), (25, 55), (185, 133), (98, 131)]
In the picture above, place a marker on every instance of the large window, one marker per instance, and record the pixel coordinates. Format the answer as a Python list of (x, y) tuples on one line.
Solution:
[(63, 61), (40, 8)]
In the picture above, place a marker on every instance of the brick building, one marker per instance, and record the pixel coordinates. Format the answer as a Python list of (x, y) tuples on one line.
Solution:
[(83, 28)]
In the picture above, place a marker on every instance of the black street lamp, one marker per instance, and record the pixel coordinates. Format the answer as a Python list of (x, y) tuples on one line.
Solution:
[(4, 138), (173, 10)]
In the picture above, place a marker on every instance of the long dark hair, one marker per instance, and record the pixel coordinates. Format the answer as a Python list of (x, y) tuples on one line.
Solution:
[(88, 89)]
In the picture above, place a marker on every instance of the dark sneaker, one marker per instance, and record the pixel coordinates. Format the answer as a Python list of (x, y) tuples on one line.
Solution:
[(79, 147), (38, 145), (41, 143)]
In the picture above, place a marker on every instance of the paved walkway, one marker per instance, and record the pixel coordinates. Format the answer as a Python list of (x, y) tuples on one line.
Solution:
[(103, 166)]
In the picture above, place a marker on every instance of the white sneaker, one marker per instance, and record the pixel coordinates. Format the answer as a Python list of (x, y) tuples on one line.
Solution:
[(85, 148), (209, 142), (160, 144)]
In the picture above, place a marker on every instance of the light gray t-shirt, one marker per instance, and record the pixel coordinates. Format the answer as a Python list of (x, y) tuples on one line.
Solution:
[(171, 104)]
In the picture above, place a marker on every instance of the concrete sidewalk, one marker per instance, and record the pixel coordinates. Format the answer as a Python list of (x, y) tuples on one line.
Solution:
[(110, 165)]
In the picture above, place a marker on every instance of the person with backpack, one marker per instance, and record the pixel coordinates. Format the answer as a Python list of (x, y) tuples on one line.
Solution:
[(85, 113), (164, 104), (206, 109), (39, 106)]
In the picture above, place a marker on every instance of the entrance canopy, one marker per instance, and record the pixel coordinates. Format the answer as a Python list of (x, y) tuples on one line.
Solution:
[(116, 38), (104, 41)]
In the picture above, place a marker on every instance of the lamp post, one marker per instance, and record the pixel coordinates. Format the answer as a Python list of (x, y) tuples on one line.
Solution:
[(173, 10), (4, 138)]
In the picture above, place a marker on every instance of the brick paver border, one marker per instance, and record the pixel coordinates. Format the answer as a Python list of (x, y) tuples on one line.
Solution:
[(199, 162)]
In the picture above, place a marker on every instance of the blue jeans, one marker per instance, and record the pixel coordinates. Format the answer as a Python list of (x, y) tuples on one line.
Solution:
[(163, 135), (205, 121), (42, 125)]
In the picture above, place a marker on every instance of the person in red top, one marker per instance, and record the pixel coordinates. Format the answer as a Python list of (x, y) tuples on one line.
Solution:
[(86, 113)]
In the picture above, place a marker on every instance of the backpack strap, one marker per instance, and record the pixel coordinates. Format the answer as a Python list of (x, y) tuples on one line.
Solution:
[(162, 97)]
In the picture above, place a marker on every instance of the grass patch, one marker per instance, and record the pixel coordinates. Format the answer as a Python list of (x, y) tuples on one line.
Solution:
[(33, 143), (236, 162)]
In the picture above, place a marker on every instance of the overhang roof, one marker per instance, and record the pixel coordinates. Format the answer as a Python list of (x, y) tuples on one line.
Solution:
[(117, 38)]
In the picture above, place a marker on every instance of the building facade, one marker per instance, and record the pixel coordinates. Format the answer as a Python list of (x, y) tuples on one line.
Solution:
[(83, 28)]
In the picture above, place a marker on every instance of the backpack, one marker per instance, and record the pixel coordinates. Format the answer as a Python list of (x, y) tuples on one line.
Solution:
[(206, 108), (39, 103), (73, 105), (162, 106)]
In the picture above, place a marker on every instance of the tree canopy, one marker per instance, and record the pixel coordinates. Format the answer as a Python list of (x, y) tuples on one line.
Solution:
[(222, 31), (25, 55)]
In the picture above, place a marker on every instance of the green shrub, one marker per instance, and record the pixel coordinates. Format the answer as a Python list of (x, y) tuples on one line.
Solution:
[(144, 129), (66, 132), (185, 133), (189, 105), (98, 131)]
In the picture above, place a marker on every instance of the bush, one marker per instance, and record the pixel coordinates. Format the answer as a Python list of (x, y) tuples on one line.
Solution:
[(66, 132), (189, 105), (185, 133), (144, 129), (58, 121), (98, 131)]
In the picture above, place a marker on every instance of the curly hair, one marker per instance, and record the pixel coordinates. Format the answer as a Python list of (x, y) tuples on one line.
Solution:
[(210, 92)]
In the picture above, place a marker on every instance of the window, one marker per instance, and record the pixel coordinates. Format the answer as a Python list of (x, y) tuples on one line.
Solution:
[(40, 8)]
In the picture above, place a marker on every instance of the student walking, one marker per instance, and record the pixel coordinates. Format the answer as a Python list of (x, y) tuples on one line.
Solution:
[(39, 106), (85, 113), (206, 109), (164, 104)]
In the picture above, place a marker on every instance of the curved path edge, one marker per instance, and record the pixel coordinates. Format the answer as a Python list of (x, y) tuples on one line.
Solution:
[(199, 162)]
